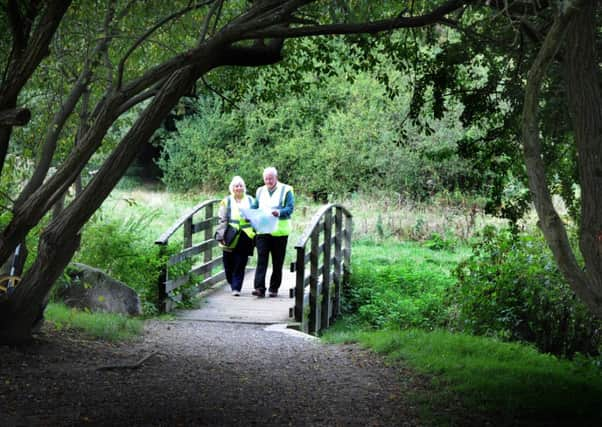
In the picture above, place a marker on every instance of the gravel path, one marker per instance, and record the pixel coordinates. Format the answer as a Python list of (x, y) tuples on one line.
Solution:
[(201, 373)]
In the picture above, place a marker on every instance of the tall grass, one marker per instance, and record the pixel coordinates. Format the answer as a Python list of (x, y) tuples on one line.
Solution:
[(380, 215), (401, 284)]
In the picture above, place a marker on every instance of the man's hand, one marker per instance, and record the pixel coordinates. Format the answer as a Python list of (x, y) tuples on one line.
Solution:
[(276, 212)]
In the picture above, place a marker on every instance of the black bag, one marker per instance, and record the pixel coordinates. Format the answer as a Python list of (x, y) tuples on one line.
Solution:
[(231, 236)]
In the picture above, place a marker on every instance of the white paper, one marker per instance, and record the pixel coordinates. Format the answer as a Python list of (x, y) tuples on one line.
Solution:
[(262, 221)]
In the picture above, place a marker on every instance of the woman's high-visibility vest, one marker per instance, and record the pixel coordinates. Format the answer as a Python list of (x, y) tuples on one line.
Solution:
[(234, 219), (234, 213)]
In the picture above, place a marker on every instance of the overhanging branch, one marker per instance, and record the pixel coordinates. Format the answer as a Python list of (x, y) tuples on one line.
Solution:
[(15, 117), (284, 31)]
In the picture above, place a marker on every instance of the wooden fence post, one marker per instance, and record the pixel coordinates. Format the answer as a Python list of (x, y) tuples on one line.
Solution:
[(208, 236), (326, 306), (347, 252), (338, 262), (187, 233), (299, 284), (314, 283), (162, 279), (318, 308)]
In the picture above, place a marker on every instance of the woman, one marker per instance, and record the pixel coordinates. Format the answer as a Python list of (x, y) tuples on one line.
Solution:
[(236, 255)]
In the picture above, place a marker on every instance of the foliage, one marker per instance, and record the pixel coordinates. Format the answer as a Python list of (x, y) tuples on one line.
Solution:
[(106, 326), (399, 284), (511, 288), (348, 122), (119, 248), (511, 380)]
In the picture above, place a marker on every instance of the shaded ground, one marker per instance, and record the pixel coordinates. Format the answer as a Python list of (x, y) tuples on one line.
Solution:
[(201, 373)]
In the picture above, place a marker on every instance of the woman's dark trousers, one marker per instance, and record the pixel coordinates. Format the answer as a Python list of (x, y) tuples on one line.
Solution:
[(234, 266)]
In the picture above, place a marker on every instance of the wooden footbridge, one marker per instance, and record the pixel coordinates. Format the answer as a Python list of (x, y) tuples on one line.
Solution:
[(310, 293)]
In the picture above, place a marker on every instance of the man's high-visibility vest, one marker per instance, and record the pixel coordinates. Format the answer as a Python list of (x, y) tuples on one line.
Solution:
[(276, 200)]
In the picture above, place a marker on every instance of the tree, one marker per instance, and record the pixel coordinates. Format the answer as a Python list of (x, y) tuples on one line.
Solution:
[(577, 25), (235, 33), (252, 34)]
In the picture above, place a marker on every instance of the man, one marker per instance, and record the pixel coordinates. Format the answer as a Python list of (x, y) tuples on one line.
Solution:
[(278, 199)]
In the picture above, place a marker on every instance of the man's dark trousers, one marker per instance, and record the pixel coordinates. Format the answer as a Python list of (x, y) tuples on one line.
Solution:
[(275, 246)]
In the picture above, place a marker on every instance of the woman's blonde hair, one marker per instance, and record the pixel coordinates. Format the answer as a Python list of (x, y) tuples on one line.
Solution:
[(237, 180)]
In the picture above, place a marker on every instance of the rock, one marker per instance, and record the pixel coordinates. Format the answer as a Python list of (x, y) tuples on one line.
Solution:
[(93, 289)]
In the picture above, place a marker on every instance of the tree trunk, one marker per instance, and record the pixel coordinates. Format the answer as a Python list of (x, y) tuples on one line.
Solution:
[(585, 105), (58, 243), (21, 312), (551, 224), (15, 117), (29, 50)]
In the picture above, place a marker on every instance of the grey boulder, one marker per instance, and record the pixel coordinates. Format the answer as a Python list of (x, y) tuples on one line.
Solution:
[(91, 288)]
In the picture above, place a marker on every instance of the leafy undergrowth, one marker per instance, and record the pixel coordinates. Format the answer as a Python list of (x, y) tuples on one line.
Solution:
[(401, 284), (105, 326), (510, 382)]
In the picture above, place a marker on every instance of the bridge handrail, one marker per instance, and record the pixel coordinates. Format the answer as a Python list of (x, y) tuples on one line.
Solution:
[(208, 271), (322, 271), (163, 239), (316, 220)]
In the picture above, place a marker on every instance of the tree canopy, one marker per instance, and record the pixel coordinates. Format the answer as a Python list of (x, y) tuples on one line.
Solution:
[(81, 89)]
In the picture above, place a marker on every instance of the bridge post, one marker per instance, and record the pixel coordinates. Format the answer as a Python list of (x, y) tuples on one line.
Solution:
[(314, 284), (338, 262), (347, 252), (163, 300), (187, 233), (326, 305), (299, 284), (327, 273), (208, 235)]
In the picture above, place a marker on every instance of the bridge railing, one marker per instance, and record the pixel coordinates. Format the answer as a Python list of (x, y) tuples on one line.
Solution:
[(322, 267), (184, 266)]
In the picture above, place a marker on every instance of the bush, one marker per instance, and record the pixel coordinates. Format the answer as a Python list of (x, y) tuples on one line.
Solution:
[(511, 288), (399, 285), (351, 127), (119, 248)]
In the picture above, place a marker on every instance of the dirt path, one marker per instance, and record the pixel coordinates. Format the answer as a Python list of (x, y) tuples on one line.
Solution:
[(201, 373)]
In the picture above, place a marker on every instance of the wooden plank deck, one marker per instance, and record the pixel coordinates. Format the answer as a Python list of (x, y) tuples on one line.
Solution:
[(218, 304)]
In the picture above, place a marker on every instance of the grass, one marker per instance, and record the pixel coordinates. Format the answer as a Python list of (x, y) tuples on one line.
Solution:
[(401, 290), (402, 284), (511, 381), (391, 215), (105, 326), (161, 208)]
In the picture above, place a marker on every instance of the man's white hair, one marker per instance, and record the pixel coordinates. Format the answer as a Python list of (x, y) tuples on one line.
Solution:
[(271, 170)]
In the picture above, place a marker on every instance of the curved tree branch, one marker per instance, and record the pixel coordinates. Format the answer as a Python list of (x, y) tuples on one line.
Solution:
[(149, 32), (62, 115), (279, 30), (15, 117), (21, 67), (550, 222)]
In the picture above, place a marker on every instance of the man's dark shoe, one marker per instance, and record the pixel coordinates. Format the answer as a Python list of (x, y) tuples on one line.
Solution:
[(258, 293), (273, 294)]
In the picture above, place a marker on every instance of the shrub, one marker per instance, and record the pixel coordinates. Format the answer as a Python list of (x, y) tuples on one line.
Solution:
[(399, 285), (511, 288), (119, 248), (351, 127)]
